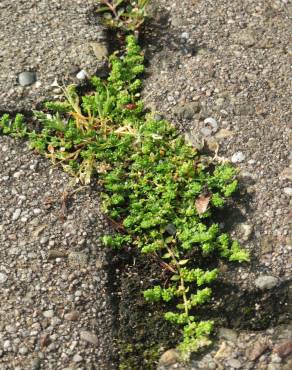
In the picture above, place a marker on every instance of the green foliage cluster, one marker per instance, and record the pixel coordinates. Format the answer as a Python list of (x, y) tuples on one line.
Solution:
[(127, 15), (151, 179), (14, 127)]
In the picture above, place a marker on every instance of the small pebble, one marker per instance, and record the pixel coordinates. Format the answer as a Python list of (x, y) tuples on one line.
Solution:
[(89, 337), (16, 214), (288, 191), (210, 121), (3, 278), (48, 314), (206, 131), (77, 358), (23, 350), (237, 157), (233, 362), (81, 75), (26, 78), (266, 282)]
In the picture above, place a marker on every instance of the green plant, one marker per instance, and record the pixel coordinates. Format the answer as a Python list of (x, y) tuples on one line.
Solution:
[(13, 127), (157, 191), (127, 15)]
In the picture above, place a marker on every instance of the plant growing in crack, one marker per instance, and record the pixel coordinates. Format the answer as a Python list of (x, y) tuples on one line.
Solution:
[(126, 15), (157, 190)]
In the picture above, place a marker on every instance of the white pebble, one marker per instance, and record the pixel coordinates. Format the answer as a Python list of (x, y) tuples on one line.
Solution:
[(16, 214), (77, 358), (288, 191), (49, 313), (237, 157), (185, 35), (3, 278), (81, 75)]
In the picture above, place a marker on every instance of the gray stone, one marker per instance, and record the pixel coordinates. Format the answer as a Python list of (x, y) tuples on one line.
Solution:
[(78, 259), (48, 314), (275, 367), (227, 334), (16, 214), (89, 337), (206, 131), (266, 282), (72, 316), (3, 277), (194, 140), (77, 358), (245, 38), (267, 244), (157, 117), (169, 358), (23, 350), (188, 110), (246, 231), (6, 345), (10, 329), (100, 50), (233, 362), (36, 364), (27, 78)]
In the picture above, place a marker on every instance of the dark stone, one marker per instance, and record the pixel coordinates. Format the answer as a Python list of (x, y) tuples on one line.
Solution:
[(27, 78)]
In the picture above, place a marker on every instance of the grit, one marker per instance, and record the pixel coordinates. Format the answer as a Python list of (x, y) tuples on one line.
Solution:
[(57, 41), (56, 310), (228, 88), (221, 72)]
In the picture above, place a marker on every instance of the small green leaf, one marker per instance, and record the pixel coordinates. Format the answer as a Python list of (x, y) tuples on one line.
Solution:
[(175, 278), (183, 262)]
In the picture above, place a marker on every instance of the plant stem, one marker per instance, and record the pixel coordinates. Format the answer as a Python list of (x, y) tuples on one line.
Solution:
[(182, 283)]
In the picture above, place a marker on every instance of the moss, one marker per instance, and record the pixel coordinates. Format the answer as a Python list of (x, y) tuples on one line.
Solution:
[(130, 356)]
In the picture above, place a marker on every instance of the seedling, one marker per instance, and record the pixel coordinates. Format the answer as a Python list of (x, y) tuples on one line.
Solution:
[(123, 14)]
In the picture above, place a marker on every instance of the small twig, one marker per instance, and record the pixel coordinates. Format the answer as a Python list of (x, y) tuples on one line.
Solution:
[(115, 224)]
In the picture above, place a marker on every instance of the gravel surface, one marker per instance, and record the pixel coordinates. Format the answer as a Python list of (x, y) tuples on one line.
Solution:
[(220, 71), (56, 310), (54, 39), (264, 350), (229, 86)]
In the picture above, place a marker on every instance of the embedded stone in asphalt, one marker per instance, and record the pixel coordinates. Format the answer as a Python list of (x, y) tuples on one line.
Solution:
[(45, 40)]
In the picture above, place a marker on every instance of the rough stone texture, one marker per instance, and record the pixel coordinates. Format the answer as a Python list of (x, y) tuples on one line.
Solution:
[(56, 313), (55, 39), (269, 349), (233, 60)]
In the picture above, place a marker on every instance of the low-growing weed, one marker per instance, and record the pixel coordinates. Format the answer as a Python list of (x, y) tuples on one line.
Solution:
[(127, 15), (151, 180)]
